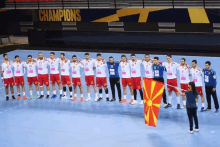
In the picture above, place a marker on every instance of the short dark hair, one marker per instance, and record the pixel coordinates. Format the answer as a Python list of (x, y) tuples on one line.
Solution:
[(29, 56), (73, 56), (98, 54), (5, 55), (194, 61), (156, 58), (133, 55), (110, 57), (52, 53), (86, 53), (169, 56), (147, 54), (16, 56), (183, 59), (123, 56), (40, 53), (62, 54), (208, 62)]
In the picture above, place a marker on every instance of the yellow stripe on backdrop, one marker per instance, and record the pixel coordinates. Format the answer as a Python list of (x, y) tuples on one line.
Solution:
[(198, 15)]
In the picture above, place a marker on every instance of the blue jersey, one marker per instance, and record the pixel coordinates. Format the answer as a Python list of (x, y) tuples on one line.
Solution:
[(113, 70), (158, 70), (209, 77)]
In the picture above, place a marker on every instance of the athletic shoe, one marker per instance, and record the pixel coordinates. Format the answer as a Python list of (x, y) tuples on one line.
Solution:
[(178, 106), (164, 105), (13, 97), (64, 97), (74, 99), (183, 107), (131, 101), (202, 109), (81, 99), (48, 96), (216, 111), (96, 99), (24, 96), (100, 99), (112, 100), (119, 100), (61, 96), (190, 131), (19, 98), (123, 101), (196, 130), (168, 105), (88, 99), (71, 98), (142, 102), (207, 109), (40, 97), (53, 96), (134, 102), (107, 99), (7, 98), (31, 97)]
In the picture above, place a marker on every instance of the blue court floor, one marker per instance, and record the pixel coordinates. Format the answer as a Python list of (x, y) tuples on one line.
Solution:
[(64, 123)]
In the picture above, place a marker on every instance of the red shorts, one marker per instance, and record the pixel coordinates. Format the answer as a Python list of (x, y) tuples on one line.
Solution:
[(19, 81), (199, 89), (126, 82), (43, 79), (90, 80), (55, 78), (32, 80), (172, 82), (101, 81), (9, 81), (136, 83), (65, 80), (76, 81), (184, 87)]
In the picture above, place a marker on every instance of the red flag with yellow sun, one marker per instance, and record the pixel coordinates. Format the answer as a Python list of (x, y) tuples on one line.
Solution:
[(153, 91)]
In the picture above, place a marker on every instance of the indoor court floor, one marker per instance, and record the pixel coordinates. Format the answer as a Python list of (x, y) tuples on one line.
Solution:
[(64, 123)]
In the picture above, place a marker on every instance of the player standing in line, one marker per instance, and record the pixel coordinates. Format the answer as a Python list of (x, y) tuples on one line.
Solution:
[(43, 75), (54, 74), (32, 76), (171, 68), (7, 76), (148, 64), (101, 80), (65, 75), (126, 78), (184, 71), (89, 75), (197, 74), (75, 65), (19, 76), (136, 78)]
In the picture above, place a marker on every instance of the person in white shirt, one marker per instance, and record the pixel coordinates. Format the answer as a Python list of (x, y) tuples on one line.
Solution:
[(43, 77), (126, 78), (136, 78), (55, 74), (65, 75), (184, 71), (101, 80), (197, 77), (19, 71), (76, 80), (171, 68), (7, 76), (148, 67), (32, 76), (89, 66)]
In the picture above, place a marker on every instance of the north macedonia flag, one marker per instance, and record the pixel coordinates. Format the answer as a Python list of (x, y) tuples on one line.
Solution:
[(153, 91)]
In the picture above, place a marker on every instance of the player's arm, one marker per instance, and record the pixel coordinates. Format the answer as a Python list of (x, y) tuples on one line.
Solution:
[(214, 80)]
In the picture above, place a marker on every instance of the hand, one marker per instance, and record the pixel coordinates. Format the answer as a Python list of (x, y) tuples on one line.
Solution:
[(94, 68), (213, 89), (2, 80), (104, 61), (176, 88)]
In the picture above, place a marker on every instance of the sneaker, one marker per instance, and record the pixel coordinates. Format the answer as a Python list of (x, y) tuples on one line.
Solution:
[(61, 96), (100, 99), (142, 102), (47, 97), (7, 98), (19, 98), (31, 97), (119, 100), (134, 102), (183, 107), (178, 106), (53, 96), (40, 97), (112, 100), (190, 131), (202, 109), (123, 101), (107, 99), (196, 130), (216, 111), (13, 97), (74, 99), (131, 101), (88, 99), (24, 96), (168, 105), (164, 105), (71, 98), (81, 99), (207, 109), (96, 99), (64, 97)]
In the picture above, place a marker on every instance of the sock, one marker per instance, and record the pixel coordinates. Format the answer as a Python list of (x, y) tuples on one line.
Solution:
[(203, 104), (141, 93), (64, 90), (132, 96), (42, 93), (54, 92), (100, 95), (100, 91), (135, 94), (23, 93), (96, 95), (48, 92), (71, 93), (81, 95), (178, 100), (64, 93), (170, 99), (124, 96), (31, 92), (106, 92), (6, 95), (75, 95), (184, 102), (61, 91), (88, 95), (19, 94), (70, 89), (38, 93)]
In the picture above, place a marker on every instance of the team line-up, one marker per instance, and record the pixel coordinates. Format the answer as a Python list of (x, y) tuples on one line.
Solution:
[(37, 73)]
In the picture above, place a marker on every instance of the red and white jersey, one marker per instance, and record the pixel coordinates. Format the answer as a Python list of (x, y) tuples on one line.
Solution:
[(148, 69), (7, 70), (135, 68), (171, 69), (184, 73), (100, 68), (18, 68), (54, 65), (75, 66), (42, 66), (88, 66), (31, 69), (125, 70), (65, 67), (197, 76)]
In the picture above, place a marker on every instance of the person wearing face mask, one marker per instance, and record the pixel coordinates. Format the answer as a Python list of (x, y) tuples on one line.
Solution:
[(114, 78)]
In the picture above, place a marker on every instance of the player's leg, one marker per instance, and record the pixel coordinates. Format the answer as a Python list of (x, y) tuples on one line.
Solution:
[(139, 87), (81, 92), (124, 85), (92, 82), (40, 80), (22, 87), (88, 88), (47, 84), (208, 97), (75, 92), (174, 84), (214, 96), (104, 84), (170, 89), (18, 92), (68, 82), (64, 91), (60, 89), (6, 89), (134, 91), (118, 85), (112, 84), (11, 82)]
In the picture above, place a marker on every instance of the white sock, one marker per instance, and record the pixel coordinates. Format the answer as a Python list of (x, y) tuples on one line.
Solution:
[(71, 93), (42, 93), (88, 95), (170, 99), (107, 95), (100, 95), (178, 100), (81, 95), (61, 91), (197, 104), (203, 104), (31, 92), (54, 92), (18, 93), (124, 96), (132, 96), (75, 95), (184, 102), (48, 92), (64, 93), (38, 93), (23, 93), (96, 95)]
